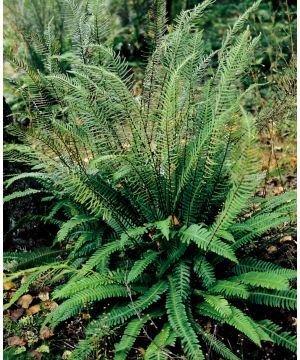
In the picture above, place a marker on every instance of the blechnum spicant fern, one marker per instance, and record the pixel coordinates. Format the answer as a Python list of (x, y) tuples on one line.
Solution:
[(154, 188)]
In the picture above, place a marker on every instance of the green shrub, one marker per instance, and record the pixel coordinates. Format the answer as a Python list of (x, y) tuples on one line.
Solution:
[(156, 190)]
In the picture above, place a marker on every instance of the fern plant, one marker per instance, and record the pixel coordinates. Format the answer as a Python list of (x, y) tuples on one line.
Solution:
[(155, 189)]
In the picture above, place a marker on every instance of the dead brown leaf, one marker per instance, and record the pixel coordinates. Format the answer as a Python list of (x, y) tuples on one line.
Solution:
[(33, 309), (25, 301), (16, 340), (16, 314), (36, 354), (45, 333)]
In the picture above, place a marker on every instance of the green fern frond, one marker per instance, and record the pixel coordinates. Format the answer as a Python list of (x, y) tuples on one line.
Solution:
[(155, 350), (38, 257), (251, 264), (282, 338), (230, 289), (20, 194), (203, 238), (284, 299), (70, 225), (119, 315), (205, 271), (140, 265), (180, 324), (131, 332), (217, 345), (81, 300), (263, 279), (238, 320)]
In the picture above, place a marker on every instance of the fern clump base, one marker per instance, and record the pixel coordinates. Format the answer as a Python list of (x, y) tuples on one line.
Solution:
[(153, 191)]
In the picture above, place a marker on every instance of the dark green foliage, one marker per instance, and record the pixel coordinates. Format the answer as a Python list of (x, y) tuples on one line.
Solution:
[(153, 189)]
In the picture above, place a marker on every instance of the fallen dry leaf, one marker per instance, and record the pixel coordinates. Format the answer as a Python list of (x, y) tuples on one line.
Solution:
[(175, 221), (271, 249), (8, 285), (16, 340), (36, 354), (293, 161), (16, 314), (25, 301), (44, 295), (278, 190), (142, 351), (45, 333), (49, 305), (33, 309), (285, 238)]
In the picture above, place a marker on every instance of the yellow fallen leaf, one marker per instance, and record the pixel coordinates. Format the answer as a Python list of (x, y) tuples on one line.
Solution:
[(49, 305), (85, 316), (8, 285), (33, 309)]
